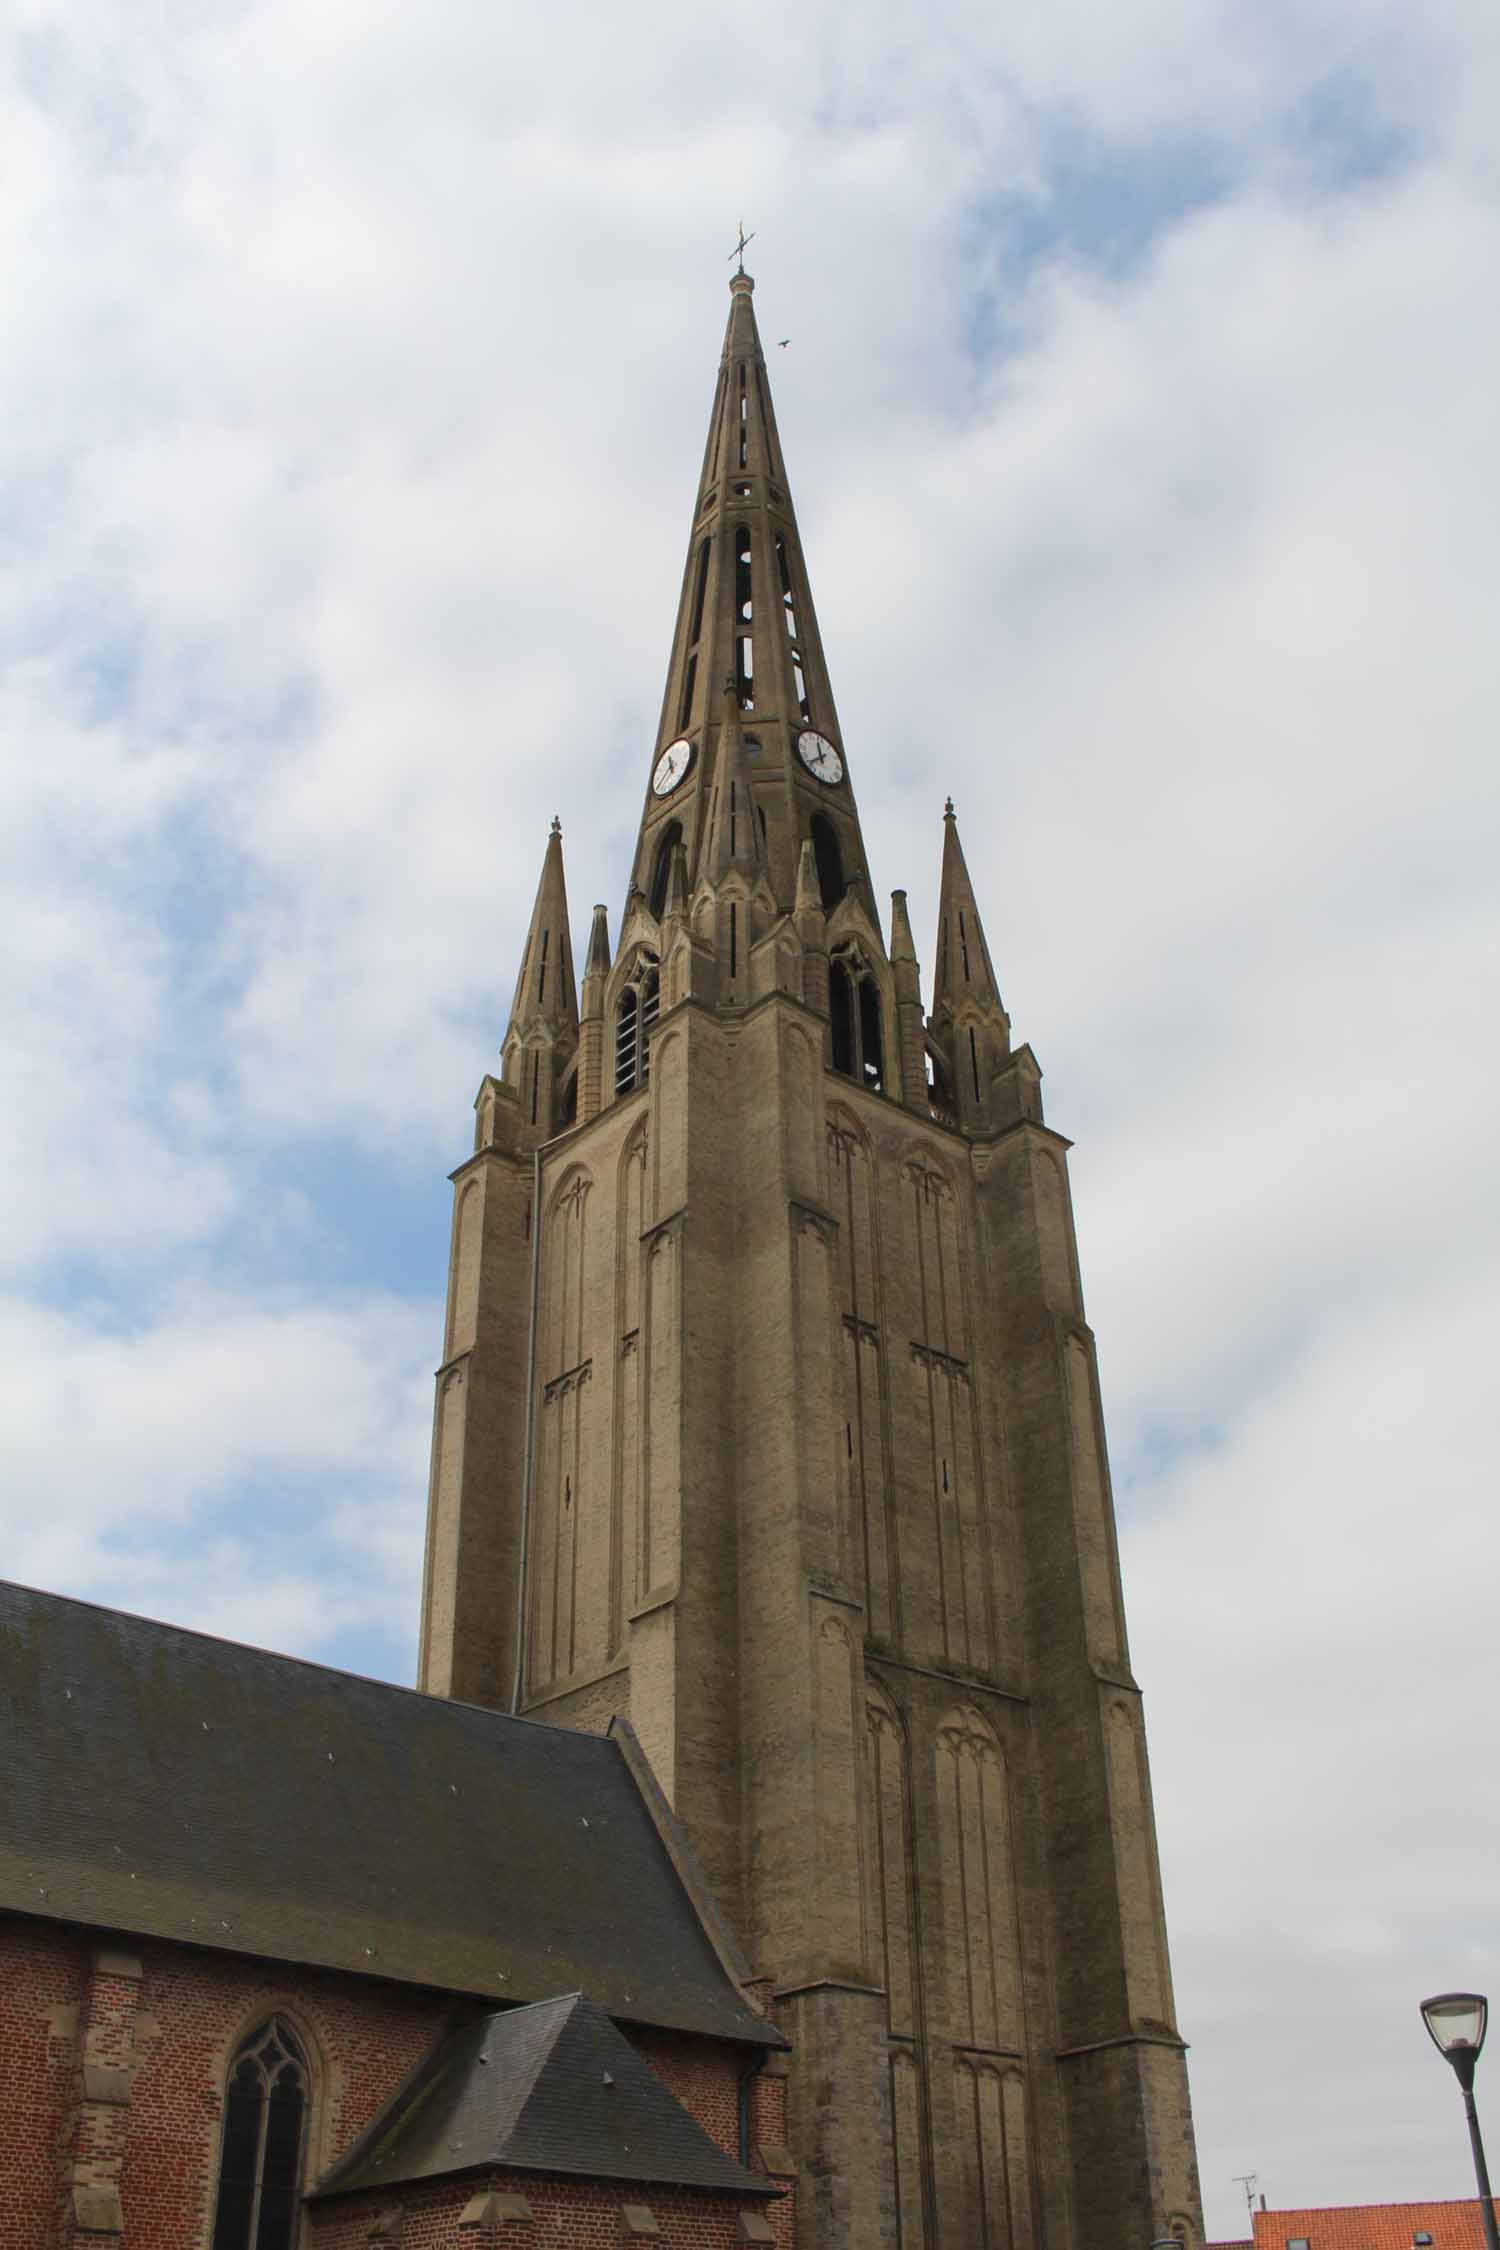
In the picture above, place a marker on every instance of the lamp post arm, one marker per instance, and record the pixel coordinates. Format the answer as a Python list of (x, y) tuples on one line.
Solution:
[(1481, 2169)]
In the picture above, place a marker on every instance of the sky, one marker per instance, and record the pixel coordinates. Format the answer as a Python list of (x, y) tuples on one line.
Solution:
[(1140, 408)]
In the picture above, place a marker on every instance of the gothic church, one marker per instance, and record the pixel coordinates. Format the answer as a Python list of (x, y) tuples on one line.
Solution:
[(770, 1858), (768, 1420)]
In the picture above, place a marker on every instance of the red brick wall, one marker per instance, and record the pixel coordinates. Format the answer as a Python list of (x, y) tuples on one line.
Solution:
[(42, 1972), (361, 2040), (180, 2024), (565, 2215)]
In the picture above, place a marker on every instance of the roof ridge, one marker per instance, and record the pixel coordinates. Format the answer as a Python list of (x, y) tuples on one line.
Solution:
[(281, 1656)]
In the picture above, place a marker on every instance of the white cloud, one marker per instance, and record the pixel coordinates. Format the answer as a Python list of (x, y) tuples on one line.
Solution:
[(253, 1464)]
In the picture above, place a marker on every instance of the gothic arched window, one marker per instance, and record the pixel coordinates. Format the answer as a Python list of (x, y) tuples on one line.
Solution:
[(637, 1013), (854, 1019), (265, 2132), (830, 861)]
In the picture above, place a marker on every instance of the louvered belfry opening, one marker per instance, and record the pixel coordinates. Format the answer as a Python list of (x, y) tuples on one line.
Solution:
[(635, 1018), (854, 1011)]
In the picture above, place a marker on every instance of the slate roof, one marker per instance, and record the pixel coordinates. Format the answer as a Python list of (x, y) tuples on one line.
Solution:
[(159, 1782), (1373, 2226), (549, 2088)]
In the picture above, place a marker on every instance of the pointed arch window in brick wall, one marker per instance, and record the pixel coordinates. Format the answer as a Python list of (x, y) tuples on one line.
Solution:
[(265, 2131)]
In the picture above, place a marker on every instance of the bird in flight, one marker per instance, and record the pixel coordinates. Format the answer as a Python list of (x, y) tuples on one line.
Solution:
[(784, 341)]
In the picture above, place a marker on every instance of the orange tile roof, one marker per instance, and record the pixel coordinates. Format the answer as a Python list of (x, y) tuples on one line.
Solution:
[(1371, 2226)]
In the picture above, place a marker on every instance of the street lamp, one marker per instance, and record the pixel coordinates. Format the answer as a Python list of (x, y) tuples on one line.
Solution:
[(1456, 2022)]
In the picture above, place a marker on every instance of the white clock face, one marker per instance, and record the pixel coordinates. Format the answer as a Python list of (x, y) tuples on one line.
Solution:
[(671, 766), (819, 756)]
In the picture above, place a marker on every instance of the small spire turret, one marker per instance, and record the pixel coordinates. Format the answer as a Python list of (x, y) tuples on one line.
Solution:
[(968, 1016), (596, 964), (591, 1022), (543, 1030), (911, 1033)]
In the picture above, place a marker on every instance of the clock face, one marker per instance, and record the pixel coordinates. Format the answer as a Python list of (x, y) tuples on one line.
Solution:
[(819, 756), (671, 766)]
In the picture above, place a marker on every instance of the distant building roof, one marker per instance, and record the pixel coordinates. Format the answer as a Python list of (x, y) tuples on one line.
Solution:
[(1457, 2225), (549, 2088), (160, 1782)]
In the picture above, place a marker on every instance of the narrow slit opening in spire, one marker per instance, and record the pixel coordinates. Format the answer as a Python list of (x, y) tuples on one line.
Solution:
[(799, 688), (974, 1062), (744, 605), (744, 421), (700, 589), (744, 575), (963, 946), (713, 466), (689, 682), (788, 604)]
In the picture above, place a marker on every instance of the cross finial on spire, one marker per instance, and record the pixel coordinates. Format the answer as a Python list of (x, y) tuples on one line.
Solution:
[(948, 810), (557, 824), (741, 246)]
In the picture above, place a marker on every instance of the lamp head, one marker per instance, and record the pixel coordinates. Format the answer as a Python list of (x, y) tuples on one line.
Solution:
[(1456, 2025)]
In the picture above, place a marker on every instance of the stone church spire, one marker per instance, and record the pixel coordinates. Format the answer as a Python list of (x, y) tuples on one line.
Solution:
[(746, 615), (969, 1021), (542, 1034)]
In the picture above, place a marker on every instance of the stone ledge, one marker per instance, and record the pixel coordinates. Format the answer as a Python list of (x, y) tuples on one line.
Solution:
[(111, 1961), (492, 2209), (776, 2162)]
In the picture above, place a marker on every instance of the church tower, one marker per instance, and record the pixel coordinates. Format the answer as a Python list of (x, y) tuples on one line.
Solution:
[(769, 1419)]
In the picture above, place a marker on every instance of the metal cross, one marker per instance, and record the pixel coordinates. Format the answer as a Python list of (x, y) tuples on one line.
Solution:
[(740, 247)]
